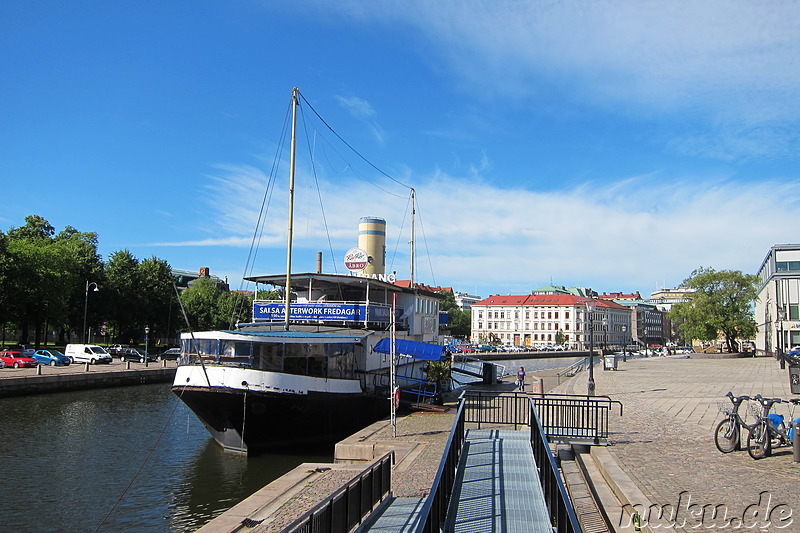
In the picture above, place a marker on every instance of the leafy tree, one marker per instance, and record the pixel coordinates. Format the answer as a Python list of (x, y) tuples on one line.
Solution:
[(560, 337), (722, 302), (438, 372), (155, 280), (460, 321), (85, 266), (200, 302), (123, 296)]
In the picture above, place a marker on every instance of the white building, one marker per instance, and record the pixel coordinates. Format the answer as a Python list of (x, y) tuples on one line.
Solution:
[(537, 319), (464, 301), (777, 309)]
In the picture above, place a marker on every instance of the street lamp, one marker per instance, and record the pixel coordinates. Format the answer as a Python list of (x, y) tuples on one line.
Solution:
[(85, 307), (624, 342), (590, 307), (781, 318), (146, 335)]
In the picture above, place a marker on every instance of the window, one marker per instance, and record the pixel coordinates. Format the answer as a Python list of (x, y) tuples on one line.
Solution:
[(549, 314), (556, 317), (566, 315), (787, 266), (794, 312)]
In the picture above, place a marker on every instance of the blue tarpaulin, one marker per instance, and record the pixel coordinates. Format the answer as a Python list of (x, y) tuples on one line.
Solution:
[(417, 350)]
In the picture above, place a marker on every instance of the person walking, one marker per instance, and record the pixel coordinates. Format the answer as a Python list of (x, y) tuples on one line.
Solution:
[(521, 378)]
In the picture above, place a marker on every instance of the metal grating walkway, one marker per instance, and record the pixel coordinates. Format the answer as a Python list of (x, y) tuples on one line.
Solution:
[(497, 488)]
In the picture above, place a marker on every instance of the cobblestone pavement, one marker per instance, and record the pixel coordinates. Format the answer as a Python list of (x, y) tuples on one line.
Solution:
[(664, 441)]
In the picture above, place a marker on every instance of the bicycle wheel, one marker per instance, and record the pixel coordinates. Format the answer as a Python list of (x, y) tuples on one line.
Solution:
[(726, 436), (758, 441)]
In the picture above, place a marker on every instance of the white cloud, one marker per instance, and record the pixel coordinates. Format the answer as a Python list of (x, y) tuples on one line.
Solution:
[(729, 68), (634, 234)]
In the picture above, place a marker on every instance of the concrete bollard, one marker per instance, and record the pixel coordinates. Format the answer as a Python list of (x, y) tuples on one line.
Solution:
[(85, 367), (163, 363), (796, 443), (38, 370), (127, 365)]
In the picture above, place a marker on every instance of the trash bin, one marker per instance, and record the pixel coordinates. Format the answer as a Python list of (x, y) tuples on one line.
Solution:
[(610, 362)]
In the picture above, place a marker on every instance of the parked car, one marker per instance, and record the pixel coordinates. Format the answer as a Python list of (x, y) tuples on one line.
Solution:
[(16, 359), (87, 353), (51, 357), (172, 353), (135, 354), (114, 349)]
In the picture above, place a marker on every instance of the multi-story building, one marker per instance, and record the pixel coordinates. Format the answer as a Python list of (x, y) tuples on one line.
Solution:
[(547, 319), (777, 309), (464, 301)]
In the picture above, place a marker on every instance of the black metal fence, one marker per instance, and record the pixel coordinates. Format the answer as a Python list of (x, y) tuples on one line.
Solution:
[(348, 506), (562, 512), (564, 417), (434, 511)]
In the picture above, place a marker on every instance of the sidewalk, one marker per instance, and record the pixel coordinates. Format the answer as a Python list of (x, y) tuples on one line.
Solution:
[(664, 443)]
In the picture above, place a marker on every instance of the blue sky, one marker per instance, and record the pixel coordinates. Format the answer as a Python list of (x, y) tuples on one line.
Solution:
[(614, 145)]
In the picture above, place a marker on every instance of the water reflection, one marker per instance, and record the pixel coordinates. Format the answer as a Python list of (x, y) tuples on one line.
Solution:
[(131, 458)]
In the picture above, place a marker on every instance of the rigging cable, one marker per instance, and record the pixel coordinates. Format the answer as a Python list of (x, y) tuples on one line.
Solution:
[(262, 216), (350, 147)]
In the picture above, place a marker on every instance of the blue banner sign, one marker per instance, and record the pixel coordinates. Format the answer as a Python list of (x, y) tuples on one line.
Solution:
[(326, 312)]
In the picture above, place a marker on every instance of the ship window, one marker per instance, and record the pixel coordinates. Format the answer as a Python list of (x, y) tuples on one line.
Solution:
[(341, 360), (295, 360), (270, 357)]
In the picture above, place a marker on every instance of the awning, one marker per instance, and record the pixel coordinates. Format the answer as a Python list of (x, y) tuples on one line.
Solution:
[(417, 350)]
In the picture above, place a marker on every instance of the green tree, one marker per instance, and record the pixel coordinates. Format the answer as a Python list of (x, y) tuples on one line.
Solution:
[(721, 303), (460, 321), (123, 297), (155, 280), (85, 266), (200, 302)]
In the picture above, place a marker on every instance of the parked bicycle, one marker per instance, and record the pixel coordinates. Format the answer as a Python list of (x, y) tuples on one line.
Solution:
[(770, 427), (727, 435)]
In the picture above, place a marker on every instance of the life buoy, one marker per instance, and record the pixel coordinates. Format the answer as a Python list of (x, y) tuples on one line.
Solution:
[(396, 398)]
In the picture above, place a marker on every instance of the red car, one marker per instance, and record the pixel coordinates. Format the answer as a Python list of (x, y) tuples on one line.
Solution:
[(16, 359)]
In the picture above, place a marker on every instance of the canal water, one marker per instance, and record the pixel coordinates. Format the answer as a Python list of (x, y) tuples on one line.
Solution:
[(131, 459)]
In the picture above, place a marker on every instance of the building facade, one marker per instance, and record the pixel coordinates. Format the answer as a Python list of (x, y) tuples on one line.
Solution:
[(548, 319), (777, 308)]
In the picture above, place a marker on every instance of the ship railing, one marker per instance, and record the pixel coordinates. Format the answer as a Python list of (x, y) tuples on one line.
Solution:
[(351, 504)]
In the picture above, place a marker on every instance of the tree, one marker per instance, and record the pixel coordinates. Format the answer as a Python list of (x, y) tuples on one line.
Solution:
[(155, 279), (123, 296), (200, 303), (460, 321), (721, 303)]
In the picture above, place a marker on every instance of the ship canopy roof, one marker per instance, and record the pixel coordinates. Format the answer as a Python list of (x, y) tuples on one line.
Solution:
[(418, 350)]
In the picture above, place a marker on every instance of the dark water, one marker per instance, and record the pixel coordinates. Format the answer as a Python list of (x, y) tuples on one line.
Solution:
[(123, 459)]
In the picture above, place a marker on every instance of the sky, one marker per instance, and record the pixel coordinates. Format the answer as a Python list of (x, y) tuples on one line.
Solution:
[(616, 145)]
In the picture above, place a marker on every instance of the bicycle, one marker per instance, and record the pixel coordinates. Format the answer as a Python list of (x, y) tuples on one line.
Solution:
[(727, 435), (769, 426)]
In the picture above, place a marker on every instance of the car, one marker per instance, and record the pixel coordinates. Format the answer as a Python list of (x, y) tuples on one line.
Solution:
[(135, 354), (51, 357), (172, 353), (114, 349), (16, 359), (87, 353)]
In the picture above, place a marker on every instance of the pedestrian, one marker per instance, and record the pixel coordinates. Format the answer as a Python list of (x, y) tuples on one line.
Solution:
[(521, 378)]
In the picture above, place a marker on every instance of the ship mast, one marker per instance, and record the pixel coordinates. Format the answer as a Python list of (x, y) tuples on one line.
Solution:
[(288, 294), (412, 237)]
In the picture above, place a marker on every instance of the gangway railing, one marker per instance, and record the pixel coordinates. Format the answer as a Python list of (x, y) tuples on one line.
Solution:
[(516, 409), (564, 417), (348, 506)]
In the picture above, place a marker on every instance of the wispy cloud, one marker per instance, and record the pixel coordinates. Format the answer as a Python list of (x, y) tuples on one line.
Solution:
[(364, 112), (727, 69), (631, 234)]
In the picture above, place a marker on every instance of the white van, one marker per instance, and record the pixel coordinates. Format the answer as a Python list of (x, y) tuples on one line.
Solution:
[(87, 353)]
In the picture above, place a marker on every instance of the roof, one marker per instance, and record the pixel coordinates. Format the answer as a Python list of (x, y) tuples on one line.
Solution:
[(544, 300), (321, 281)]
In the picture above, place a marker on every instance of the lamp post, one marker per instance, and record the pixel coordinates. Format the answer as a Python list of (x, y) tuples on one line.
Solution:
[(781, 318), (590, 307), (86, 306), (146, 335), (624, 343)]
